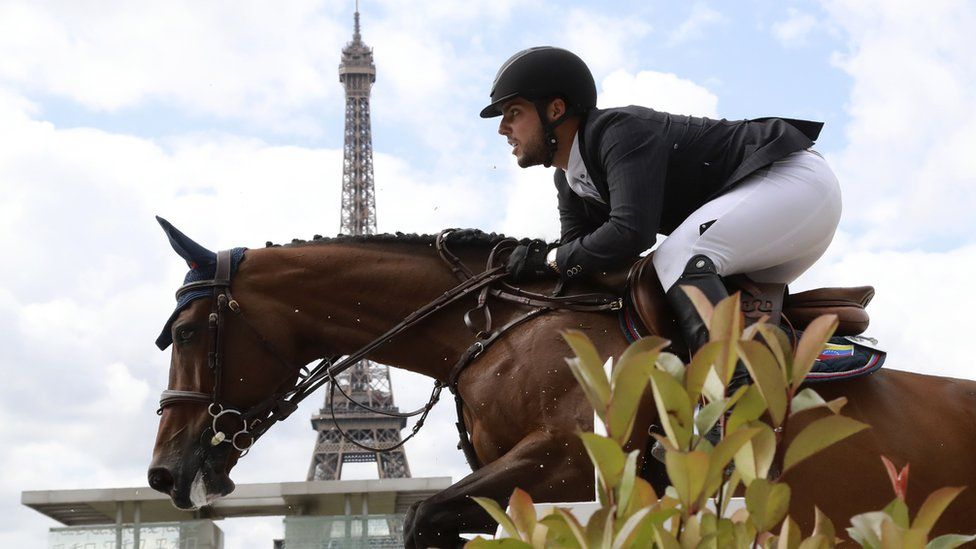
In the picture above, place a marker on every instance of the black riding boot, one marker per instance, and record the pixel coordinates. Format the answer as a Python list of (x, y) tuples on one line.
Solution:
[(699, 272)]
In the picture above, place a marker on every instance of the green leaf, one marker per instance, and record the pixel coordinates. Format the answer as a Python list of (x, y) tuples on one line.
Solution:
[(755, 457), (749, 408), (599, 529), (765, 373), (673, 365), (688, 472), (728, 491), (932, 508), (818, 435), (816, 541), (894, 537), (709, 414), (779, 345), (628, 382), (607, 456), (644, 535), (690, 535), (674, 408), (727, 328), (503, 543), (723, 453), (789, 534), (630, 528), (822, 525), (727, 319), (498, 514), (866, 528), (702, 304), (898, 512), (744, 534), (626, 487), (562, 521), (588, 369), (641, 496), (767, 503), (808, 399), (949, 541), (699, 369), (522, 511), (665, 539), (811, 343)]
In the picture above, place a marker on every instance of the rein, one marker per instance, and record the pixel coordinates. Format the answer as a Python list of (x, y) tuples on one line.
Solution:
[(256, 420)]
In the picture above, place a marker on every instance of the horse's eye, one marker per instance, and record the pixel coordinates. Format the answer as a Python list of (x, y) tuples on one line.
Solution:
[(184, 334)]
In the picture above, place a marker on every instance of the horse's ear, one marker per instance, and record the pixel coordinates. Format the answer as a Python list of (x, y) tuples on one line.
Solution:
[(194, 254)]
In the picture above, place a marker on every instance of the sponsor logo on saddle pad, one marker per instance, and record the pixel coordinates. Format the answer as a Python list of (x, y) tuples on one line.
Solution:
[(833, 350)]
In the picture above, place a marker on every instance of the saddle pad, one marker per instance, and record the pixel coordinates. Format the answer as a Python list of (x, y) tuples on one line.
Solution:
[(844, 357)]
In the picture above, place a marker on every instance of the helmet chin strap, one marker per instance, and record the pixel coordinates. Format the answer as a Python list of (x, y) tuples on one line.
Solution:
[(547, 128)]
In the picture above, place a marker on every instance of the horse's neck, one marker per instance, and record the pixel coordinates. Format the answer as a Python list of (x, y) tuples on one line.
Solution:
[(335, 298)]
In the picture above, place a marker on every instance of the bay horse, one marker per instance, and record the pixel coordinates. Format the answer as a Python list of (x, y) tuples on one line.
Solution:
[(284, 307)]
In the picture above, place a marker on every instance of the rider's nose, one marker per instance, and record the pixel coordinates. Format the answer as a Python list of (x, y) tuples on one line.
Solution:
[(161, 479)]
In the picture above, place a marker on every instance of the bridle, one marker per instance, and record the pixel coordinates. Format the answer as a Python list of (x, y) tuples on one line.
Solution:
[(256, 420)]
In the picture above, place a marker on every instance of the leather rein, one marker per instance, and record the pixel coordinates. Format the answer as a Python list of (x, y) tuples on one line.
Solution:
[(256, 420)]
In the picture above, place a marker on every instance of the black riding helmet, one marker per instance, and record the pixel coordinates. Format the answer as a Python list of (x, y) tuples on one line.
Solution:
[(538, 75)]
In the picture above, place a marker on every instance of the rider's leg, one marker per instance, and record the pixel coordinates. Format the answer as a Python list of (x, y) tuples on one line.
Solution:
[(772, 227)]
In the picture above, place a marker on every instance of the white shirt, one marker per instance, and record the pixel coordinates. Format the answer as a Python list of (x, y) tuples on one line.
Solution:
[(580, 181)]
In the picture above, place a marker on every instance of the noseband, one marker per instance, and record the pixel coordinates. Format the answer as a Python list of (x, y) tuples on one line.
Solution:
[(256, 420)]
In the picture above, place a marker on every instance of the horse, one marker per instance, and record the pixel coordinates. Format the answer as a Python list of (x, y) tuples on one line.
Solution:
[(243, 338)]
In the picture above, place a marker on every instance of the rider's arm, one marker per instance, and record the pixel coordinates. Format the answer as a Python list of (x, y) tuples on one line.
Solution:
[(635, 163), (574, 221)]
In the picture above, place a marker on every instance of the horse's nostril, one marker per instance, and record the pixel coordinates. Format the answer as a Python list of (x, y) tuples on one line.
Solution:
[(161, 480)]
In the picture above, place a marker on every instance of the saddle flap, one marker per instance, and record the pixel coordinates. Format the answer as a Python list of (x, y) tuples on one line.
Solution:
[(651, 307), (847, 303)]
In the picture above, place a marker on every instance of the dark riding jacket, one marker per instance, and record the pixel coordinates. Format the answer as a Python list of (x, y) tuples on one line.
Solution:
[(653, 169)]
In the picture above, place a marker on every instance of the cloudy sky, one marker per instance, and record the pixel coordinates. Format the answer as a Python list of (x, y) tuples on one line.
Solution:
[(226, 118)]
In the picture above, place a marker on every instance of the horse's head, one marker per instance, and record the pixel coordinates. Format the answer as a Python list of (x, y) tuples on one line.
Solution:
[(227, 371)]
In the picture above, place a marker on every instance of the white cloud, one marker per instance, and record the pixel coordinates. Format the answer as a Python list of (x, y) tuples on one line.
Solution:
[(532, 207), (215, 58), (694, 27), (906, 172), (794, 30), (921, 296), (604, 42), (658, 90)]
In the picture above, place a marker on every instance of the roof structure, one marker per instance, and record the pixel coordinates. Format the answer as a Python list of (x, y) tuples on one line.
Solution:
[(307, 498)]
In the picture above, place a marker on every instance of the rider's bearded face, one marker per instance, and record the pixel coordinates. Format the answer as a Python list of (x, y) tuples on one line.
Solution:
[(521, 125)]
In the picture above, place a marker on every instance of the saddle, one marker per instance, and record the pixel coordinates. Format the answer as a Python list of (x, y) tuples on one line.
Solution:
[(647, 301)]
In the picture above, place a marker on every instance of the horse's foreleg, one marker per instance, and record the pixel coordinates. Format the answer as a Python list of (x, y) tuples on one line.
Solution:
[(551, 467)]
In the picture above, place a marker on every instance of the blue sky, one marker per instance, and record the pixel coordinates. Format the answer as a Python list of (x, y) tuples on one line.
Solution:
[(226, 118)]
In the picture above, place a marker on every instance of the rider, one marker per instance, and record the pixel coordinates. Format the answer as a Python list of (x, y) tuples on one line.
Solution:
[(743, 197)]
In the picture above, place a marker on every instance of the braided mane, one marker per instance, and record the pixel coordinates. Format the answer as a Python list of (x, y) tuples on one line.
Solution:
[(472, 237)]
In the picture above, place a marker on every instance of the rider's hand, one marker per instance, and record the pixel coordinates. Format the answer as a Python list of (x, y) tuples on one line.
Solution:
[(528, 261)]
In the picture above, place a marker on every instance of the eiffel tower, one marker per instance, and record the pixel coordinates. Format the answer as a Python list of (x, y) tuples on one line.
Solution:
[(366, 382)]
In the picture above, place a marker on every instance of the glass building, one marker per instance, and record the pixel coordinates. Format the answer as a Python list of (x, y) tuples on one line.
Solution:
[(317, 514)]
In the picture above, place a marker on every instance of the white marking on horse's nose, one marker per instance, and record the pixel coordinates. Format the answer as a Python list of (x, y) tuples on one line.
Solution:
[(198, 491)]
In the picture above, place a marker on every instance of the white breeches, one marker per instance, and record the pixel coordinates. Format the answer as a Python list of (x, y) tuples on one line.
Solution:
[(772, 226)]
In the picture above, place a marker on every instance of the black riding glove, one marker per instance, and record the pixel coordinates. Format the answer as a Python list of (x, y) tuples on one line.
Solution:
[(528, 261)]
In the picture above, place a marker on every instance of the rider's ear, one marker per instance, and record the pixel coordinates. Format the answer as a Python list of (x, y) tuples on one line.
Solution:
[(557, 108)]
